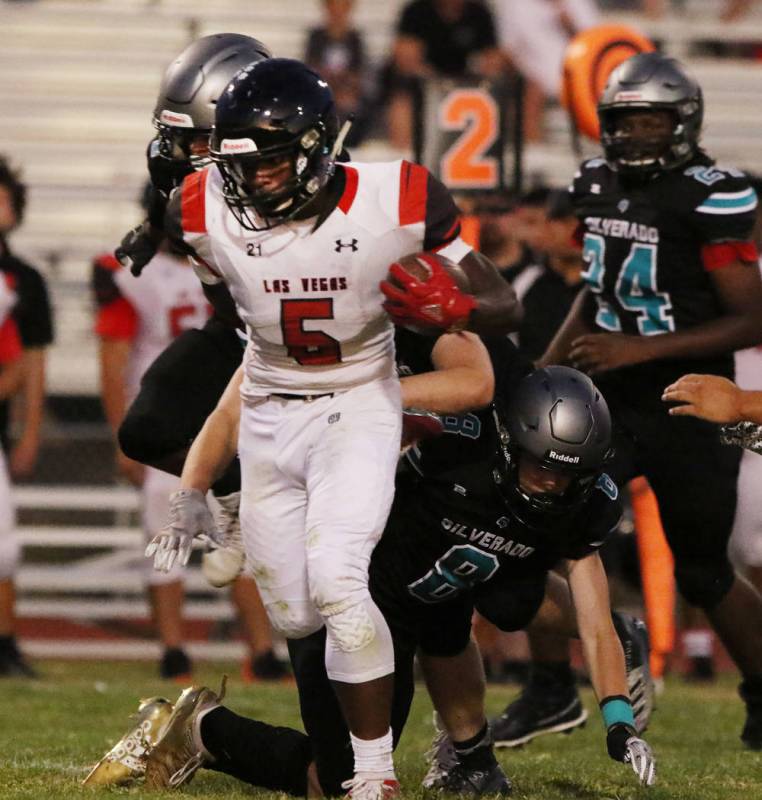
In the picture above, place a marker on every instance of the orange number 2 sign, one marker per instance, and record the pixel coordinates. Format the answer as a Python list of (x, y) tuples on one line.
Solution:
[(465, 165)]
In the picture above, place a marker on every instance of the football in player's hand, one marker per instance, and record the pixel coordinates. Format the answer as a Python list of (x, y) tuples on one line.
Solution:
[(427, 292), (420, 266)]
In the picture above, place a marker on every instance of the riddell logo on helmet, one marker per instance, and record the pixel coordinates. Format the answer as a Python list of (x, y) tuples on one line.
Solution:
[(563, 457), (624, 97), (238, 146), (176, 119)]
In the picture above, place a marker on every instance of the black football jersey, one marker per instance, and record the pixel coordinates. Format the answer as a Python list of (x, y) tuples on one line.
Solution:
[(450, 529), (643, 243)]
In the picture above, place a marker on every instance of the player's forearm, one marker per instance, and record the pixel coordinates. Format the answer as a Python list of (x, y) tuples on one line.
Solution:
[(724, 335), (750, 406), (215, 446), (211, 452), (499, 310), (450, 391), (571, 328), (605, 661)]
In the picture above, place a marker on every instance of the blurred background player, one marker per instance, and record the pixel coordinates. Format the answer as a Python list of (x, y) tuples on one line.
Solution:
[(34, 319), (668, 292), (136, 320), (12, 662), (25, 313)]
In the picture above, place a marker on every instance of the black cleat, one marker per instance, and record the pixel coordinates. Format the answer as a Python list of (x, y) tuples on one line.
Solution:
[(175, 665), (264, 667), (14, 665), (538, 710), (467, 782), (633, 635), (700, 670), (751, 735)]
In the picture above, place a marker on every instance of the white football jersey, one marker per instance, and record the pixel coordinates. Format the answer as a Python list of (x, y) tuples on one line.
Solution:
[(151, 310), (310, 298)]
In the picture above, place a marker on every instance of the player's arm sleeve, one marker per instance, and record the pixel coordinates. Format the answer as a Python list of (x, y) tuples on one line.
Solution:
[(441, 216), (11, 348), (36, 323), (115, 316), (600, 521), (724, 222)]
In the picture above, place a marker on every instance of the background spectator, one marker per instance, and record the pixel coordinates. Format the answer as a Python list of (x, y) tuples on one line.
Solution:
[(336, 51), (535, 33), (445, 38)]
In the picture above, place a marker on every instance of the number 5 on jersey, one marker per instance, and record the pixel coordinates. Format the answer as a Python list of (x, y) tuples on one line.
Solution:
[(313, 348)]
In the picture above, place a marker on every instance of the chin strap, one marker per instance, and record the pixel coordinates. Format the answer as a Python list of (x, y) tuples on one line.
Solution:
[(338, 145)]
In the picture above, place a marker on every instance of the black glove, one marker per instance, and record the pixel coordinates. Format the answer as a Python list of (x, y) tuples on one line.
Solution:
[(624, 745), (138, 247)]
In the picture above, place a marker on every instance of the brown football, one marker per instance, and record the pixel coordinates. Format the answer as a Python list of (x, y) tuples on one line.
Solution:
[(416, 265)]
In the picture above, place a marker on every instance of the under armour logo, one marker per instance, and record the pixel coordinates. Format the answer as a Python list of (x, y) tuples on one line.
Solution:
[(623, 205), (341, 245), (333, 418), (503, 522)]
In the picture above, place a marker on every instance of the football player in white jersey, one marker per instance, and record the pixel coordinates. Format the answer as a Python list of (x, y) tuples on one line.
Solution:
[(302, 245), (136, 320)]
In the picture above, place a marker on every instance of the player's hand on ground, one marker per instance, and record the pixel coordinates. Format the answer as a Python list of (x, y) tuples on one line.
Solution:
[(709, 397), (600, 352), (626, 746), (189, 517), (137, 248)]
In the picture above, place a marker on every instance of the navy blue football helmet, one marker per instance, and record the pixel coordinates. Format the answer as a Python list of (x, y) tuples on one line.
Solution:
[(272, 112)]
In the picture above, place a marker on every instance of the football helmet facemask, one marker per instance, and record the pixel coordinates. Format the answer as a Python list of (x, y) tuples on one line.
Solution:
[(650, 82), (274, 141), (184, 112), (558, 420)]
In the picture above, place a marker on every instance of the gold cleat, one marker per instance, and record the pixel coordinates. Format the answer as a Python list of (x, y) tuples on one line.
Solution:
[(127, 758), (178, 754)]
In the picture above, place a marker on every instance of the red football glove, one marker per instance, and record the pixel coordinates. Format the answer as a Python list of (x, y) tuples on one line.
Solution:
[(435, 302)]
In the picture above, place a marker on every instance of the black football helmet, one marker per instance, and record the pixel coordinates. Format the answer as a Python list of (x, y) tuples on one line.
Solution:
[(557, 416), (190, 88), (274, 109), (650, 82)]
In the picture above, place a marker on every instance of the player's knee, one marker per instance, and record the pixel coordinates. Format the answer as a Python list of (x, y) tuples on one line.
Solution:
[(139, 437), (10, 554), (704, 583), (359, 643), (293, 620)]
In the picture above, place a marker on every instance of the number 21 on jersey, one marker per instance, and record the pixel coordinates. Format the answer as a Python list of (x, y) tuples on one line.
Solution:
[(635, 289)]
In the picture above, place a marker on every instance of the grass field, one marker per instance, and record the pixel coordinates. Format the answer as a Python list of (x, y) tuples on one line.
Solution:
[(52, 730)]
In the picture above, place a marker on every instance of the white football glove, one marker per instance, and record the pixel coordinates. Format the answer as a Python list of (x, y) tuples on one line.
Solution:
[(624, 745), (189, 518), (641, 758)]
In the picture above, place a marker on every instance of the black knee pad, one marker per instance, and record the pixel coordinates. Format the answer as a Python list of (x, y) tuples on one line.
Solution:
[(704, 583)]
